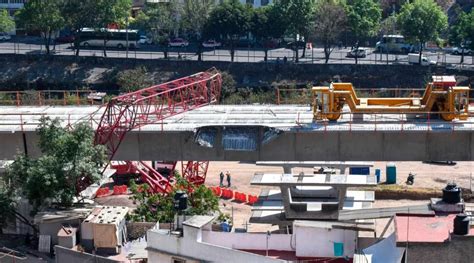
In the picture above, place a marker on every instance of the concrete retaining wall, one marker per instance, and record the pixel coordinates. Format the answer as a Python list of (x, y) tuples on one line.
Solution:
[(72, 256)]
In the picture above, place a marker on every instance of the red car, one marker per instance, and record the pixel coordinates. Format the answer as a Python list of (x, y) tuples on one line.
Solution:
[(65, 39)]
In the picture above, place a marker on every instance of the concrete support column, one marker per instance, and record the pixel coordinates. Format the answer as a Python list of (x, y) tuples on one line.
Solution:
[(287, 169)]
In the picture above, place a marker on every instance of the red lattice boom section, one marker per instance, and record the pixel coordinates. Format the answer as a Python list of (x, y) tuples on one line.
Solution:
[(152, 105)]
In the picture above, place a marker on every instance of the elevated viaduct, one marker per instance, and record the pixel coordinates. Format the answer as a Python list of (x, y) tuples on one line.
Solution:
[(258, 133)]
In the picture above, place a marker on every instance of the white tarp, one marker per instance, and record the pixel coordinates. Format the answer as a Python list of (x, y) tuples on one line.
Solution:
[(385, 251)]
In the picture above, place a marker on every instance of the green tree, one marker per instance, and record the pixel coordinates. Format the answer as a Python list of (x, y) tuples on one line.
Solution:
[(330, 22), (297, 16), (133, 79), (462, 32), (159, 20), (194, 16), (421, 21), (68, 157), (44, 16), (6, 205), (7, 23), (78, 15), (363, 18), (109, 12), (266, 25), (229, 21), (152, 207)]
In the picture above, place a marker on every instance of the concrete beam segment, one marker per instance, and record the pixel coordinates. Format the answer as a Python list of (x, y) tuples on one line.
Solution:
[(299, 140), (289, 146)]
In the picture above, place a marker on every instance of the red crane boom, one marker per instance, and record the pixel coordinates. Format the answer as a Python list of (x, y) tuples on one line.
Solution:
[(152, 105)]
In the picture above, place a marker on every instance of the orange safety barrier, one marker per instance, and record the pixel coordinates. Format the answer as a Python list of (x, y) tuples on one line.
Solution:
[(216, 190), (240, 197), (120, 190), (228, 194), (104, 191), (252, 199)]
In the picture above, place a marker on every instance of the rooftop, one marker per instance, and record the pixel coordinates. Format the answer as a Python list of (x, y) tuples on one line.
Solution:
[(424, 228)]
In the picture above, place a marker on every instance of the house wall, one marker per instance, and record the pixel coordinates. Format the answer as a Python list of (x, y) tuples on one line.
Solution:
[(251, 241), (188, 247), (73, 256), (319, 242)]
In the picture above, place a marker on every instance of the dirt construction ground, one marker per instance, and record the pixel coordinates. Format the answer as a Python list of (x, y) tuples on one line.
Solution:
[(427, 176)]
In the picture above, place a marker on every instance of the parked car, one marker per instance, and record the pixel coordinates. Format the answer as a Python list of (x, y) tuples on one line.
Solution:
[(211, 44), (269, 44), (414, 58), (357, 53), (65, 39), (298, 44), (5, 36), (178, 42), (145, 40), (460, 50), (245, 42)]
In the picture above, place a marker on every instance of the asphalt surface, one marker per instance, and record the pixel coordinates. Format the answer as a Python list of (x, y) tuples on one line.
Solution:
[(315, 55)]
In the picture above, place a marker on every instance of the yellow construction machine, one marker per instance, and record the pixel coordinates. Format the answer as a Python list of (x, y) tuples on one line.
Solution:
[(441, 96)]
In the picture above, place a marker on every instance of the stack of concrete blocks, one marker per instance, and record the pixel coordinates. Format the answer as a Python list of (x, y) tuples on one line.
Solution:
[(67, 237)]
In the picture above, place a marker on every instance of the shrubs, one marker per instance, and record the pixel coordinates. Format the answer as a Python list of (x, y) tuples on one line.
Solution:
[(133, 79)]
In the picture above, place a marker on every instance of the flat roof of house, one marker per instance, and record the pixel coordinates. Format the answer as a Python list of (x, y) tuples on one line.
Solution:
[(198, 221), (424, 228)]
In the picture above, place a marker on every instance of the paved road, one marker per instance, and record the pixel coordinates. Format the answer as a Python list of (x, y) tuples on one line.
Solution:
[(314, 55)]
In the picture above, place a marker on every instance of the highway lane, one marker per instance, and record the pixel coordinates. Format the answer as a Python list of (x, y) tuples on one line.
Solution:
[(315, 55)]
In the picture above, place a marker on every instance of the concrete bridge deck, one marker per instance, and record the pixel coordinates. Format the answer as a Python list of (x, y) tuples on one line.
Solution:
[(293, 135)]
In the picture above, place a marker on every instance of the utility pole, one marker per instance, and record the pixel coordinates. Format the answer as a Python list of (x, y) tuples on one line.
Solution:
[(126, 21)]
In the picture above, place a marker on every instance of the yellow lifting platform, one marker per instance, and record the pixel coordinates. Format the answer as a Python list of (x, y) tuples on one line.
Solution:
[(441, 96)]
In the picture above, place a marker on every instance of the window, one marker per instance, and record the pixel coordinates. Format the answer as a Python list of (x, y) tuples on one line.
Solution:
[(177, 260)]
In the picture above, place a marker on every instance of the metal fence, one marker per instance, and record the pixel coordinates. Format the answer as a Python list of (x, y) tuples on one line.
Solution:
[(278, 55), (49, 97)]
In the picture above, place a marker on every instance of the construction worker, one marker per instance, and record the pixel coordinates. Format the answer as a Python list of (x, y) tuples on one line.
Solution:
[(221, 181), (228, 178)]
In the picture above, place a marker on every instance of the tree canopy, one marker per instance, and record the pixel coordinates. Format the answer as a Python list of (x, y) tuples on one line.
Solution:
[(462, 32), (296, 15), (110, 12), (363, 18), (78, 15), (266, 25), (44, 16), (228, 21), (7, 23), (152, 207), (330, 21), (67, 158), (422, 21)]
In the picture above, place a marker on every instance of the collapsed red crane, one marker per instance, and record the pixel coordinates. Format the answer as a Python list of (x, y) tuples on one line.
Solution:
[(152, 105)]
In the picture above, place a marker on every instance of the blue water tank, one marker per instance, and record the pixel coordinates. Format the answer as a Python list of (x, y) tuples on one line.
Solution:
[(359, 170), (391, 172)]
